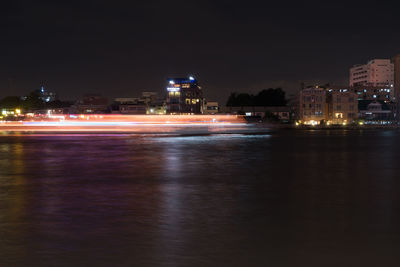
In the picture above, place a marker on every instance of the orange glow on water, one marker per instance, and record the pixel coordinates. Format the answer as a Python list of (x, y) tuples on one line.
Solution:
[(123, 123)]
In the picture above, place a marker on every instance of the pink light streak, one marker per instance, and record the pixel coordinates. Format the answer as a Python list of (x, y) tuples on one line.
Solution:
[(125, 123)]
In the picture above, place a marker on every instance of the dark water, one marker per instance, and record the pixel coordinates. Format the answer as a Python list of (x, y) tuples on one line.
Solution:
[(292, 198)]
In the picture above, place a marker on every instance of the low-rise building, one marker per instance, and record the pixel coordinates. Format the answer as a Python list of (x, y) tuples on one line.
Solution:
[(91, 104), (211, 107), (375, 111), (134, 106), (148, 103), (342, 106), (282, 113), (320, 105)]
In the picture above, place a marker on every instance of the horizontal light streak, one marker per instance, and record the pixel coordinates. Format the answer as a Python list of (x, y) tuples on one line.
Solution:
[(126, 123)]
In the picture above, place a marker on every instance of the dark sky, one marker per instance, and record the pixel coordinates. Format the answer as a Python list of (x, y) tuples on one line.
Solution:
[(120, 48)]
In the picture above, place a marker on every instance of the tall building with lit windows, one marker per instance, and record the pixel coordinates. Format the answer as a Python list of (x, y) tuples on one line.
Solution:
[(184, 96), (320, 105), (313, 108), (374, 80), (376, 73)]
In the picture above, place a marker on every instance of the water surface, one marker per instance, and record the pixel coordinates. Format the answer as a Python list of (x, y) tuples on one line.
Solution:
[(289, 198)]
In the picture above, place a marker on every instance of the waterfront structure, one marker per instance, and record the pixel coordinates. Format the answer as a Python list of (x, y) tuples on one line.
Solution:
[(396, 63), (313, 108), (211, 107), (320, 105), (376, 73), (185, 96), (91, 104), (148, 103), (126, 106), (149, 97), (342, 106), (375, 110), (132, 105), (10, 114), (280, 112)]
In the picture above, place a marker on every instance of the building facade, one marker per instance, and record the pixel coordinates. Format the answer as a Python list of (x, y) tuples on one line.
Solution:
[(211, 107), (283, 113), (313, 108), (185, 96), (148, 103), (342, 106), (374, 93), (376, 73), (375, 111), (91, 104), (396, 63), (319, 105)]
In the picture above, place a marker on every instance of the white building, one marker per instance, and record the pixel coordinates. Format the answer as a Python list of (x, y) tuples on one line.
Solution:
[(377, 72)]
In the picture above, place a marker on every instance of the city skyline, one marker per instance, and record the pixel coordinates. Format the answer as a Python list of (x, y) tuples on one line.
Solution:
[(121, 49)]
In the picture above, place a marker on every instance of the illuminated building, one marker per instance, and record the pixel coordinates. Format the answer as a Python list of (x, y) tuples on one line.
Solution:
[(313, 108), (342, 106), (10, 113), (184, 96), (376, 73), (319, 105), (374, 93)]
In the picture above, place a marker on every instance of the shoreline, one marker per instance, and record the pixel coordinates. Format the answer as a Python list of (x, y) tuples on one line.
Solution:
[(333, 127)]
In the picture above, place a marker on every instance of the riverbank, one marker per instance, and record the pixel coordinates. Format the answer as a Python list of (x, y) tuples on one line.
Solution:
[(332, 127)]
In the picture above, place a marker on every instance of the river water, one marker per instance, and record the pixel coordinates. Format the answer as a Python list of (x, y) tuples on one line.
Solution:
[(289, 198)]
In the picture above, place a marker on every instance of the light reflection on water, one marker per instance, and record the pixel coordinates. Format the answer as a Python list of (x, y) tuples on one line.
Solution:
[(304, 198)]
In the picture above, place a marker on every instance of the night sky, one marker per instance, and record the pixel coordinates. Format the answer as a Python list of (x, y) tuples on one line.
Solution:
[(121, 48)]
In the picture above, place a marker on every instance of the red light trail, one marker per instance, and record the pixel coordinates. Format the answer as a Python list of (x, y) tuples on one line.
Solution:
[(126, 123)]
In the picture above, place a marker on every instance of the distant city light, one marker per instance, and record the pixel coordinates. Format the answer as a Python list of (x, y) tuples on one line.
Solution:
[(171, 82), (191, 78), (173, 89)]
